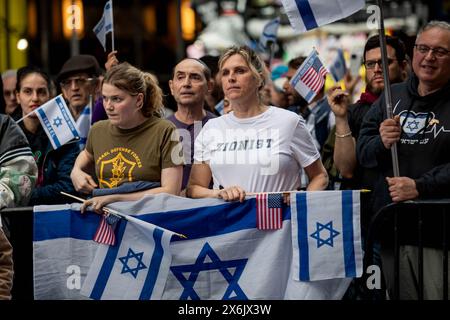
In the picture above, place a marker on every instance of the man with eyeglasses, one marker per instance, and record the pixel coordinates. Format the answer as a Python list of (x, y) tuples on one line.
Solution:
[(349, 118), (79, 82), (421, 129)]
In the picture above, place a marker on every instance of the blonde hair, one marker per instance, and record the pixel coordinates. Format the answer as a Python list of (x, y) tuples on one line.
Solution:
[(128, 78), (254, 62)]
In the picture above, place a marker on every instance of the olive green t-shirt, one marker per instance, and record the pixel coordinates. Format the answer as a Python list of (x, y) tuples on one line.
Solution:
[(138, 154)]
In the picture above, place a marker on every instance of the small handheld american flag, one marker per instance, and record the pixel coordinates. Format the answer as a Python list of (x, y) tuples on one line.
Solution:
[(309, 78), (269, 213), (105, 231)]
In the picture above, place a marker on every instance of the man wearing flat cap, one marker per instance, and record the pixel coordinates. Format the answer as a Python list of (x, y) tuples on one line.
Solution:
[(78, 79)]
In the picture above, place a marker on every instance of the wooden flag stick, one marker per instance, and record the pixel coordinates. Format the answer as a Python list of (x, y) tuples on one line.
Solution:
[(112, 211)]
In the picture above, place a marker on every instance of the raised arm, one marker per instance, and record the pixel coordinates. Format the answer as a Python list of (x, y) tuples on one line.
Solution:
[(344, 155)]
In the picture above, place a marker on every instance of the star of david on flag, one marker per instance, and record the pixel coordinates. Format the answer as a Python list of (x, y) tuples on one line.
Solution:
[(223, 257), (309, 78), (57, 122), (135, 269), (269, 211), (305, 15), (326, 235), (208, 260)]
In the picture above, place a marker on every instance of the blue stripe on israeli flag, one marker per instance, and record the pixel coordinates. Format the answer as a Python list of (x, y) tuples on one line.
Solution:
[(347, 233), (54, 138), (307, 14)]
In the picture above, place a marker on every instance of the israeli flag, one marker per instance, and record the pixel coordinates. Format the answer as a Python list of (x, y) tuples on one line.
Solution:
[(269, 34), (57, 122), (338, 68), (225, 256), (305, 15), (136, 269), (105, 25), (84, 125), (326, 235), (220, 106)]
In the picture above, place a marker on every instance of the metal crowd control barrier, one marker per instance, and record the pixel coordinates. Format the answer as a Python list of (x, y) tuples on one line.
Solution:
[(18, 223), (389, 224)]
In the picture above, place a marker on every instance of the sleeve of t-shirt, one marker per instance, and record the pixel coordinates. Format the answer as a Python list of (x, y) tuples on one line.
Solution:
[(302, 145), (171, 148), (88, 146), (202, 151)]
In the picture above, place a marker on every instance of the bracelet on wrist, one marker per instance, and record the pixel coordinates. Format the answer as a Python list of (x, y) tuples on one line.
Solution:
[(345, 135)]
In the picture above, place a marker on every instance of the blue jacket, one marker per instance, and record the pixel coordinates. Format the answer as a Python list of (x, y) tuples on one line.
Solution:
[(54, 169)]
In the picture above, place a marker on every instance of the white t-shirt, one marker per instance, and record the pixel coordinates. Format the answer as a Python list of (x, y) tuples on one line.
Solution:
[(260, 154)]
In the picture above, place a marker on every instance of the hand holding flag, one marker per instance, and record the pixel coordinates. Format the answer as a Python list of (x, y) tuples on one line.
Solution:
[(57, 121), (309, 78)]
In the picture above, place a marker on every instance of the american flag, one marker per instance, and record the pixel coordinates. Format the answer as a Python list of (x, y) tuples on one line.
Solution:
[(268, 211), (105, 230), (309, 78)]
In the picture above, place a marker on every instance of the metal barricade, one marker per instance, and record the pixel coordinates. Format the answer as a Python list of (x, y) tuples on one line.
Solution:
[(18, 224), (411, 223)]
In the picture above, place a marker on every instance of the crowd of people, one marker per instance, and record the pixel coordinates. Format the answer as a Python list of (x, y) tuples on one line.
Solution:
[(239, 127)]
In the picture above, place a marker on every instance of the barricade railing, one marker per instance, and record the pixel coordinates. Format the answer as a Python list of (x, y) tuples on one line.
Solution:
[(18, 223), (400, 224)]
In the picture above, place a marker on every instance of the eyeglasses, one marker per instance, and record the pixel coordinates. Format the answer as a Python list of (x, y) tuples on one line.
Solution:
[(437, 52), (370, 64), (79, 82)]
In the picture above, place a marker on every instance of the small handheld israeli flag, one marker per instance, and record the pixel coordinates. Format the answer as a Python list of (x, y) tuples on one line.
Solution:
[(326, 235), (269, 34), (84, 123), (57, 122), (305, 15), (105, 25), (135, 269), (338, 68)]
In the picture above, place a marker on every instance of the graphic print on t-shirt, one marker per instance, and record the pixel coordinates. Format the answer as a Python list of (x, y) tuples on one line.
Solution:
[(117, 166)]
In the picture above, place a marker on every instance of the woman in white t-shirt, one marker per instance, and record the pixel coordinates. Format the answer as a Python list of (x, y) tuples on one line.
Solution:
[(254, 148)]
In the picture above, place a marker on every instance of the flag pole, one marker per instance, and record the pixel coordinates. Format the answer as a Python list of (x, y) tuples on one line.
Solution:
[(35, 110), (117, 213), (387, 84), (112, 31)]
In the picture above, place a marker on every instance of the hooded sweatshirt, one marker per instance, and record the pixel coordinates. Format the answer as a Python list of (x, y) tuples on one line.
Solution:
[(424, 146)]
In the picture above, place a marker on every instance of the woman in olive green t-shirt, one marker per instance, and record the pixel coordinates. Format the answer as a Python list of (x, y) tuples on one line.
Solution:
[(133, 144)]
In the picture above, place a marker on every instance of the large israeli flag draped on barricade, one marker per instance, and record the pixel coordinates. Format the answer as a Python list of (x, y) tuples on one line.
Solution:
[(223, 257), (57, 121), (305, 15), (326, 235)]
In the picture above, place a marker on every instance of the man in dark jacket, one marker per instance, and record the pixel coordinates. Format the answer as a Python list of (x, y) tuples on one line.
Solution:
[(421, 129), (349, 118)]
